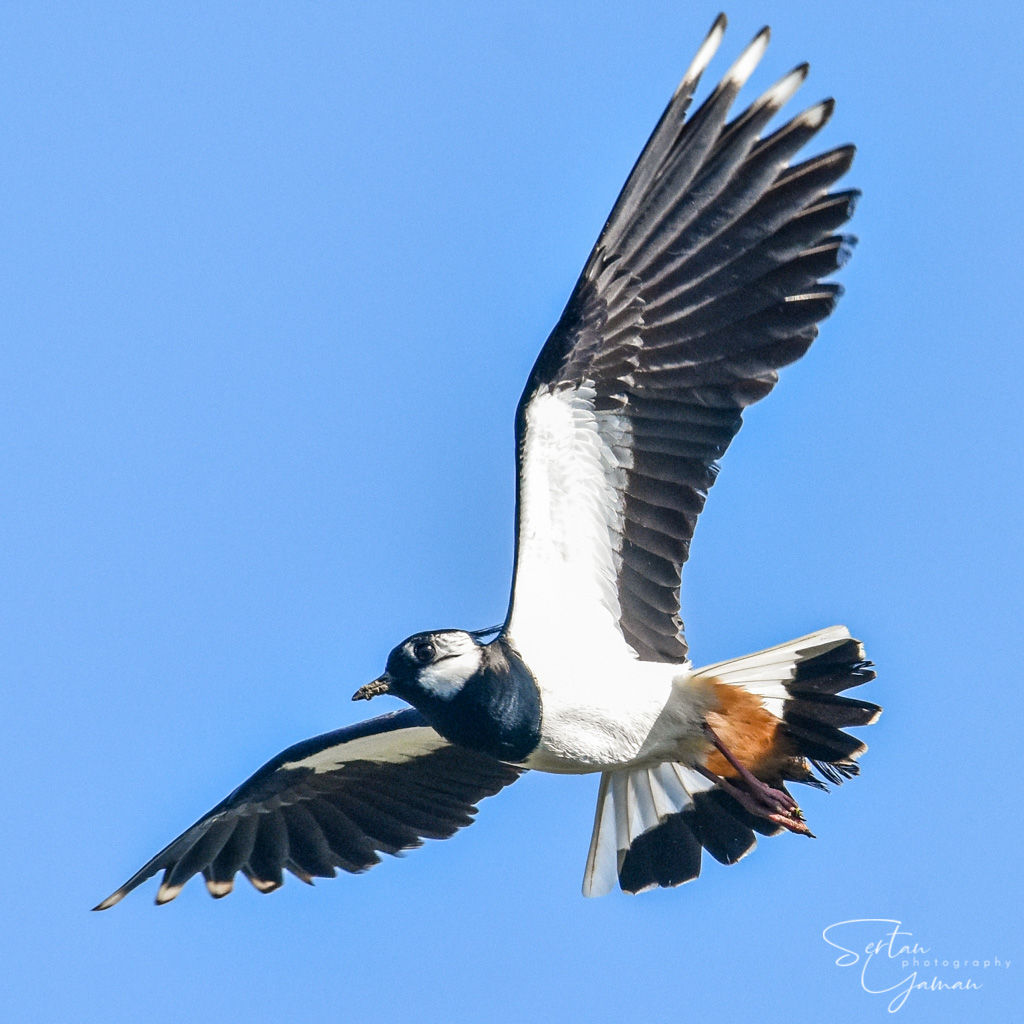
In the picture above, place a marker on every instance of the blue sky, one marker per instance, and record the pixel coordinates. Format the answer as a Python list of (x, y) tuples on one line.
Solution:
[(273, 277)]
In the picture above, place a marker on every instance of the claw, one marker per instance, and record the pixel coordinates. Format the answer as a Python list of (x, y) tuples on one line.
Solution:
[(793, 824)]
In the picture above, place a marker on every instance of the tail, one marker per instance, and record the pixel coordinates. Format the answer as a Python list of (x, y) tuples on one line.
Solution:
[(652, 823)]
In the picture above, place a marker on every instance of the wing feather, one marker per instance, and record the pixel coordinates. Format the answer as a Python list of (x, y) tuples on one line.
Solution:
[(334, 801), (706, 279)]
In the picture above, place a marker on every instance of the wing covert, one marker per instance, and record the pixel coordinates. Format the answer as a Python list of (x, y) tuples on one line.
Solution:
[(705, 281), (334, 801)]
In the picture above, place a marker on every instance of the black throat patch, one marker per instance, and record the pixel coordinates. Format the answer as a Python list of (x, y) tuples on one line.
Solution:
[(497, 711)]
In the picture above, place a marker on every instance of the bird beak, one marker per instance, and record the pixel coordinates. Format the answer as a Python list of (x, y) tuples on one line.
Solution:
[(374, 689)]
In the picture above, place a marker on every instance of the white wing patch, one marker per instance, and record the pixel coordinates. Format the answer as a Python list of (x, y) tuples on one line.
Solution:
[(394, 747), (573, 476)]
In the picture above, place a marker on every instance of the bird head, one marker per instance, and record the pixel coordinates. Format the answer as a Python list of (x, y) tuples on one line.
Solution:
[(428, 666)]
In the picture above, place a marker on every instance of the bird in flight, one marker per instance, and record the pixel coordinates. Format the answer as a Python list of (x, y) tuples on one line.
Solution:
[(706, 279)]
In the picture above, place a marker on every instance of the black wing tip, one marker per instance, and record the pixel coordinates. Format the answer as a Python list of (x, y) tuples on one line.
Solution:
[(843, 155), (847, 243)]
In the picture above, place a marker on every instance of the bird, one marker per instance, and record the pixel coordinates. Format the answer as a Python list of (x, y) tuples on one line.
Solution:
[(707, 278)]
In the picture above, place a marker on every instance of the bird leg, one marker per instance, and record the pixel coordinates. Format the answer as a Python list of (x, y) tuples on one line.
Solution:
[(765, 792), (757, 797)]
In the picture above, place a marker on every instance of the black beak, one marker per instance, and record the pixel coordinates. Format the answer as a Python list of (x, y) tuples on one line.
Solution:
[(374, 689)]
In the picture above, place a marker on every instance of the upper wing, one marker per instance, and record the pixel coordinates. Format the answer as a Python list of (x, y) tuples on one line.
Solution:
[(704, 281), (331, 801)]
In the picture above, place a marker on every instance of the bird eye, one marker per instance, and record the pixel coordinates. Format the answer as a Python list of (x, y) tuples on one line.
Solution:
[(424, 652)]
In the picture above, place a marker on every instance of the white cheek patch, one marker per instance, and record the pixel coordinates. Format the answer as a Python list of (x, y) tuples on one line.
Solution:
[(445, 678)]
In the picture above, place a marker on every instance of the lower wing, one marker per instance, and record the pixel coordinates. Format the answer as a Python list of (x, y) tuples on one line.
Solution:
[(334, 801)]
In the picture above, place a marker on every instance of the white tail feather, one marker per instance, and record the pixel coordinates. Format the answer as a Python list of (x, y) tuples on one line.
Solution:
[(631, 802), (766, 673)]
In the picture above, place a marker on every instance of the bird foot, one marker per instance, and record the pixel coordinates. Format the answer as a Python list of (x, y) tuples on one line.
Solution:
[(755, 796)]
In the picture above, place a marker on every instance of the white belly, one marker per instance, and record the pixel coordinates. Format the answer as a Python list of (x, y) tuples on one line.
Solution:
[(616, 712)]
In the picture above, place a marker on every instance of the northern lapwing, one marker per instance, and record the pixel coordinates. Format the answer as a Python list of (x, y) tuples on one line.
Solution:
[(706, 279)]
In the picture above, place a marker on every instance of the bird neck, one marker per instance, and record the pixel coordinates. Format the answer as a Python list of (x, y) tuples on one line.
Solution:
[(497, 711)]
